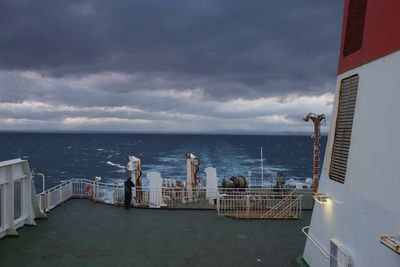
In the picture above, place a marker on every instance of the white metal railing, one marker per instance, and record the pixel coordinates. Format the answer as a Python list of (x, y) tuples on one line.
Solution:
[(54, 196), (195, 198), (248, 201), (108, 193), (260, 205), (80, 188)]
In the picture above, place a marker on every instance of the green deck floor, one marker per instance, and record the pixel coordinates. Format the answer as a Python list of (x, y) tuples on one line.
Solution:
[(83, 233)]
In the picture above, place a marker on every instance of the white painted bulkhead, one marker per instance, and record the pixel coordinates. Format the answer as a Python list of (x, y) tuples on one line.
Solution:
[(367, 205), (18, 206)]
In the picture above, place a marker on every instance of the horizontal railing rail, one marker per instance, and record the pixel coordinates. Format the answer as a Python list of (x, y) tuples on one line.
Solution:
[(54, 196)]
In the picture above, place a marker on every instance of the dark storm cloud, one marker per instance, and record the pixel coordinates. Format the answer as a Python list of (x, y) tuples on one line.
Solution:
[(228, 48)]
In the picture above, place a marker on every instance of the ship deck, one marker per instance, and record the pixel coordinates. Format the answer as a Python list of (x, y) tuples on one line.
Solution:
[(84, 233)]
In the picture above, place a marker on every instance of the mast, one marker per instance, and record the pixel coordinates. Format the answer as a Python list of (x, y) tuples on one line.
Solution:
[(317, 120)]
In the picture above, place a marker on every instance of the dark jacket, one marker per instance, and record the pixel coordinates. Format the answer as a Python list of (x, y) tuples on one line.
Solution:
[(128, 186)]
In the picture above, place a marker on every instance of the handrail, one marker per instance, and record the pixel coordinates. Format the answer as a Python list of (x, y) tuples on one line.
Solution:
[(291, 204), (81, 180), (314, 242), (280, 203), (56, 187), (276, 207), (52, 197)]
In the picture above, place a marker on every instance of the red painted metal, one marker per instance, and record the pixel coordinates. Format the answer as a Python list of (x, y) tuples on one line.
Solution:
[(317, 120), (381, 34)]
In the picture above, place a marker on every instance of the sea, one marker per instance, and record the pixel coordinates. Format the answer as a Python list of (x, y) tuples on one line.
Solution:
[(62, 156)]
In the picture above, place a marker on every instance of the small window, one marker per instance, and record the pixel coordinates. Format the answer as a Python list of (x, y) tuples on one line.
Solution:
[(354, 26), (344, 125)]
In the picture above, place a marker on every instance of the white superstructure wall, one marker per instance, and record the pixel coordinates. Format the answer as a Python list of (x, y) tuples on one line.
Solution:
[(367, 205)]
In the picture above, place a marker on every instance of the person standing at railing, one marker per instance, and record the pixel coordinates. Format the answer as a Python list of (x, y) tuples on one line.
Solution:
[(128, 184)]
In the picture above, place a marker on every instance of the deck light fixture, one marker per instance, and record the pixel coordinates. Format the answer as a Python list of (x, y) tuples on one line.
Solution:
[(320, 197), (392, 242)]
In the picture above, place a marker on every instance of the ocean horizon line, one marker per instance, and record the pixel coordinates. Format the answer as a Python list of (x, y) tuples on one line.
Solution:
[(222, 132)]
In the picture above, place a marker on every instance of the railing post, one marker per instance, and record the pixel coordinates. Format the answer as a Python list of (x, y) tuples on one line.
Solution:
[(115, 196), (41, 201), (48, 200), (94, 191), (80, 188), (218, 205), (71, 189), (248, 206)]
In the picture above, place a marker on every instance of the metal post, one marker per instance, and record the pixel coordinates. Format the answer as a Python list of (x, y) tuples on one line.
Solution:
[(94, 191), (317, 120), (71, 189), (248, 206), (48, 200), (316, 155), (41, 202), (60, 194), (218, 205), (262, 169), (96, 187)]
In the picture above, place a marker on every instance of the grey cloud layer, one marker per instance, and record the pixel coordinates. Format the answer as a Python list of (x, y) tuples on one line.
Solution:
[(260, 47), (194, 64), (161, 109)]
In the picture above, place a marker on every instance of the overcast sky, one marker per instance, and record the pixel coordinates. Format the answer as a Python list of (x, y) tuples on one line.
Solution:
[(186, 66)]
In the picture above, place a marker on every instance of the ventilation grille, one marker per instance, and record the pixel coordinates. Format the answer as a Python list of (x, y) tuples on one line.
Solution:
[(344, 125), (338, 257), (333, 255), (354, 26)]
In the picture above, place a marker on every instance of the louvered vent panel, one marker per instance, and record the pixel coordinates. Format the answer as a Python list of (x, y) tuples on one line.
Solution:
[(344, 125), (338, 256), (355, 26)]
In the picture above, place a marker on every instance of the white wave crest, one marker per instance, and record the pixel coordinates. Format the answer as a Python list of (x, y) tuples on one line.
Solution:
[(115, 165)]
